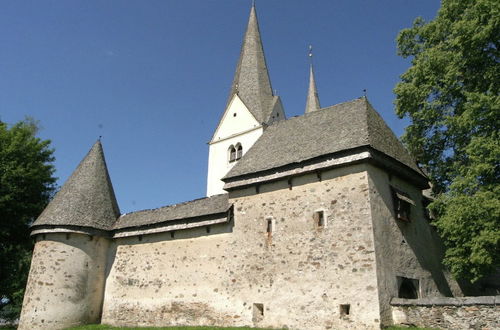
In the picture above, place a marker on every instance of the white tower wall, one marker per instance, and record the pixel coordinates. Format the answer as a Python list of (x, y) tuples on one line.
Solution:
[(237, 126)]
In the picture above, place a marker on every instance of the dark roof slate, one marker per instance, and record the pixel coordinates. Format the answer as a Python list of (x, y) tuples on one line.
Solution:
[(326, 131), (196, 208), (251, 80), (86, 199)]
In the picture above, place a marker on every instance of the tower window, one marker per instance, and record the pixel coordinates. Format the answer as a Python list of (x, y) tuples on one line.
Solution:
[(402, 204), (232, 154), (239, 151)]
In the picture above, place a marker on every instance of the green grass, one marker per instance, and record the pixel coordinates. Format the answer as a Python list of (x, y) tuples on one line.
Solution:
[(108, 327), (408, 328)]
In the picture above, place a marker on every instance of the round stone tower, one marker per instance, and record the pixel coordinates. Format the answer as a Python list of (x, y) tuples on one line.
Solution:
[(68, 269)]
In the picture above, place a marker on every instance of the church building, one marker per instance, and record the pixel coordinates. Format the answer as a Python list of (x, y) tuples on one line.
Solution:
[(312, 222)]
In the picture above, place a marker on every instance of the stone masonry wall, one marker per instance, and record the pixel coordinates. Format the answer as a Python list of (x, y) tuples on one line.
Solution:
[(66, 281), (405, 249), (237, 274), (481, 313)]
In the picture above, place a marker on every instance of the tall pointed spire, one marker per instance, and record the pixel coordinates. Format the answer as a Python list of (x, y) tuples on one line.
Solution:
[(251, 80), (312, 103), (86, 199)]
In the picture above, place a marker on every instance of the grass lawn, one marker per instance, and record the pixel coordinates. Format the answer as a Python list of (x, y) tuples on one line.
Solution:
[(108, 327)]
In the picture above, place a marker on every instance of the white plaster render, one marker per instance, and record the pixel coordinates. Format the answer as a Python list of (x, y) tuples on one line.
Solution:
[(231, 124), (66, 282), (243, 129)]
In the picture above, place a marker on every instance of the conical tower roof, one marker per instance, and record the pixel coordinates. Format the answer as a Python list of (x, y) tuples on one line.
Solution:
[(86, 199), (312, 103), (251, 80)]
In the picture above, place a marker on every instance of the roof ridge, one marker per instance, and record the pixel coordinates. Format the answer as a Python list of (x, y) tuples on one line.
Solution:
[(172, 205)]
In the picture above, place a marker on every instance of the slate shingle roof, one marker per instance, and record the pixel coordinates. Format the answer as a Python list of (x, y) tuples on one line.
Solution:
[(251, 80), (312, 102), (326, 131), (196, 208), (86, 199)]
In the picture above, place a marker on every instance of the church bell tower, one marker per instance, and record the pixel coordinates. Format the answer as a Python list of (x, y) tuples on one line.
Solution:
[(251, 106)]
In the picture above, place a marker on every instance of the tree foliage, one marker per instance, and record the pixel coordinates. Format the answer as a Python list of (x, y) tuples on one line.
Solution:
[(26, 185), (451, 95)]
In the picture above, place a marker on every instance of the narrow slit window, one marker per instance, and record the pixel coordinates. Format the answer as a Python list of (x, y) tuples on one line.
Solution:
[(269, 228), (319, 219)]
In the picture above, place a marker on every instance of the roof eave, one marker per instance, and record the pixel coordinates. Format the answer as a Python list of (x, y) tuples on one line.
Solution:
[(318, 164)]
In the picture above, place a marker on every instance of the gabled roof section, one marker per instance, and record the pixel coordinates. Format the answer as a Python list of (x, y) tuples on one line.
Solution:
[(312, 103), (251, 80), (341, 127), (196, 208), (86, 199)]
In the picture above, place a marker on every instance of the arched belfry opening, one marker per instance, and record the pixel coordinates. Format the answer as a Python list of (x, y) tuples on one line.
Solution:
[(232, 153), (239, 151)]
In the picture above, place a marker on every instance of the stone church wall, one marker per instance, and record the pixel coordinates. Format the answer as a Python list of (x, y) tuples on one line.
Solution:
[(410, 249), (300, 275), (481, 313), (66, 281)]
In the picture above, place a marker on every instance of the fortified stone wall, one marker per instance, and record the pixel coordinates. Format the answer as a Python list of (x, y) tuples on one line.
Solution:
[(449, 313), (239, 274), (66, 281), (405, 249)]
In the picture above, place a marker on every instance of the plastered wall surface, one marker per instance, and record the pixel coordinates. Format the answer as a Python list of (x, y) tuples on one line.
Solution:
[(404, 249), (237, 125), (66, 282), (218, 159), (239, 275)]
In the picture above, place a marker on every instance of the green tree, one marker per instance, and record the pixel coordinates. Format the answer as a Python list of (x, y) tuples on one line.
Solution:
[(451, 95), (26, 185)]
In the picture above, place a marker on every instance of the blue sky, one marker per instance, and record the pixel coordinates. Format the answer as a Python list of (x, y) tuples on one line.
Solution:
[(153, 77)]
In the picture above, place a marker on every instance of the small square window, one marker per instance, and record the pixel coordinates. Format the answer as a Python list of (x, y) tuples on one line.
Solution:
[(345, 310), (258, 312), (408, 288)]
